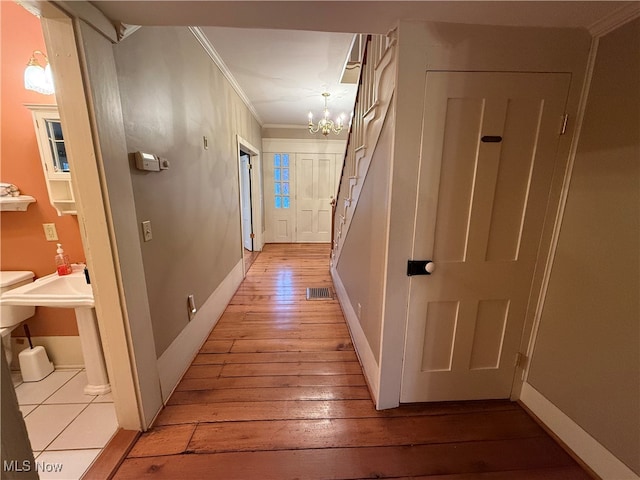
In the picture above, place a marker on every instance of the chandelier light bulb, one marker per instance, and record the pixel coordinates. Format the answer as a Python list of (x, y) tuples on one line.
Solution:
[(325, 124)]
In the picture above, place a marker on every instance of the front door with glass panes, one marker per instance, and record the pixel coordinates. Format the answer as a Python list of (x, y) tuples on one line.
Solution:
[(279, 199), (299, 189), (53, 156)]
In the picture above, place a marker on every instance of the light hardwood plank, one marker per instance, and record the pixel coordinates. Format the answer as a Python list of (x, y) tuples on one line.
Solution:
[(271, 381), (170, 440), (298, 345), (310, 409), (365, 432), (274, 357), (354, 463), (268, 394), (306, 368)]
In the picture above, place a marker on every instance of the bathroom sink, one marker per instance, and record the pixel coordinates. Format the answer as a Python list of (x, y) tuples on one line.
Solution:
[(68, 291)]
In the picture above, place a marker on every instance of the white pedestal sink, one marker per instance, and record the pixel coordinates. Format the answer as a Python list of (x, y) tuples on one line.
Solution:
[(92, 352), (70, 291)]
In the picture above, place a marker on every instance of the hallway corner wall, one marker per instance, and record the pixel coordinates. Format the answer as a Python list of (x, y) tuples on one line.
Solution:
[(586, 359)]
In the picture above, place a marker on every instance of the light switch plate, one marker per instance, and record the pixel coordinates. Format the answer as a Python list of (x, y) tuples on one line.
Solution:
[(146, 230)]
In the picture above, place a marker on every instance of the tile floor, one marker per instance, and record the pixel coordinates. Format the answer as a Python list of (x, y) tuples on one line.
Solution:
[(65, 426)]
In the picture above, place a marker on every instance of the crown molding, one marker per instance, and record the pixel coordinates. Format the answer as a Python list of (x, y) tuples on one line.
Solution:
[(303, 126), (208, 47), (126, 30), (615, 19)]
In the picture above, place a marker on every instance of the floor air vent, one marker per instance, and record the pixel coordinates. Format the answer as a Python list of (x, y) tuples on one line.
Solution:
[(319, 293)]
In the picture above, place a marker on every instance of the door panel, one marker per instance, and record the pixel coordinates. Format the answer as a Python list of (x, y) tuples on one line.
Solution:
[(315, 185), (479, 217), (458, 165), (439, 334)]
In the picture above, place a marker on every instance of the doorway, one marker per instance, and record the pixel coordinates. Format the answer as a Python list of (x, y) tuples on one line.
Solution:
[(250, 194), (300, 181), (245, 201)]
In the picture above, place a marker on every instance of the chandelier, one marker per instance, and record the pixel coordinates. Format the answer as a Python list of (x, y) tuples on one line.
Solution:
[(325, 124)]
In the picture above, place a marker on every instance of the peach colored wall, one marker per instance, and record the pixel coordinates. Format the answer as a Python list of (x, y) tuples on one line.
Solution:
[(22, 242)]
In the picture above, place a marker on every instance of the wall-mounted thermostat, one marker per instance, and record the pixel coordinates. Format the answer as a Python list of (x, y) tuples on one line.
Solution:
[(150, 162)]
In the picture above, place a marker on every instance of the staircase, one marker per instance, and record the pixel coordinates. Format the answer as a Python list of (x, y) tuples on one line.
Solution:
[(373, 102)]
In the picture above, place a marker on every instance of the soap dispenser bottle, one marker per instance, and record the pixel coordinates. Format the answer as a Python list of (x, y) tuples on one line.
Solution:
[(63, 266)]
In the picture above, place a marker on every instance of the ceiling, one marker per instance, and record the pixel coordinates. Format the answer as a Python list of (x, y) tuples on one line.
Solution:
[(283, 73), (284, 54)]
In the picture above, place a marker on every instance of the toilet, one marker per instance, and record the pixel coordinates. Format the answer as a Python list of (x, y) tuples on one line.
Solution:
[(12, 316)]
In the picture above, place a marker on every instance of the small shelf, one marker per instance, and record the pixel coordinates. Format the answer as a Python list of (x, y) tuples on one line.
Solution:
[(15, 204)]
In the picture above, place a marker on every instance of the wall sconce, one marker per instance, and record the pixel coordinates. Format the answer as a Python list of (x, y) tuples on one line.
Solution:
[(37, 77)]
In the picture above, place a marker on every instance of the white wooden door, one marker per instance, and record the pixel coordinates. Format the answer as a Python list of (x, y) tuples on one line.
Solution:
[(315, 187), (480, 211), (245, 202)]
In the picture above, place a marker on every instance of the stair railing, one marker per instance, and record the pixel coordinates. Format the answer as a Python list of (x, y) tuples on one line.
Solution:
[(375, 46)]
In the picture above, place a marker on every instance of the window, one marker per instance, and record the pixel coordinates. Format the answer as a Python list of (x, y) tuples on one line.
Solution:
[(56, 142), (281, 180)]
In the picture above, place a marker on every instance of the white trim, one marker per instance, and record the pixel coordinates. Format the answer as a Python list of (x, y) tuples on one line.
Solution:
[(217, 59), (176, 359), (312, 145), (362, 347), (596, 456), (616, 19), (257, 191), (125, 30)]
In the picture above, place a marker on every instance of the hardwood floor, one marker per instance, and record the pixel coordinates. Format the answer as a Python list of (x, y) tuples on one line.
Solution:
[(249, 258), (277, 392)]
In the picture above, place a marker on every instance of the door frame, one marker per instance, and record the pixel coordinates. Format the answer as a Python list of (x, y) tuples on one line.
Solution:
[(256, 193), (393, 342), (556, 85), (134, 405), (243, 200)]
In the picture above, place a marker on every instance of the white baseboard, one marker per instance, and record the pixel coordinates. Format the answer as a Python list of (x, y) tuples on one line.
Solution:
[(63, 351), (363, 349), (597, 457), (176, 359)]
